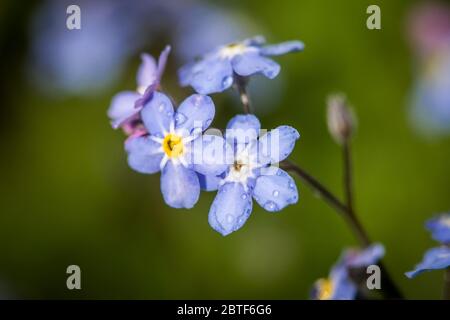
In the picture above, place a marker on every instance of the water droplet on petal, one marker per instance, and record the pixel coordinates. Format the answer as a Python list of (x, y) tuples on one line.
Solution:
[(198, 99), (229, 218), (227, 81), (161, 107), (276, 193), (270, 206), (291, 185), (180, 119), (244, 196)]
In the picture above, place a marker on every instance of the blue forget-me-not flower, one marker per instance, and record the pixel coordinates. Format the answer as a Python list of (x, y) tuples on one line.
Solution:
[(126, 105), (438, 257), (174, 141), (216, 71), (340, 284), (250, 175)]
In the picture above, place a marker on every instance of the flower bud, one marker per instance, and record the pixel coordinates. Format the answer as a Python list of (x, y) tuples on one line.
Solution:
[(341, 121)]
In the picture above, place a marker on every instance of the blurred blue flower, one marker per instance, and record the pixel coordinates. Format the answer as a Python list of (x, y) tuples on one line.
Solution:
[(429, 35), (171, 144), (88, 59), (340, 284), (250, 175), (434, 259), (126, 105), (215, 72), (202, 27), (430, 100), (440, 228)]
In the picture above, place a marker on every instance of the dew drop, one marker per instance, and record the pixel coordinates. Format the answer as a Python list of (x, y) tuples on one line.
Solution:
[(244, 196), (198, 100), (180, 119), (291, 185), (227, 81), (270, 206), (229, 218), (161, 107), (276, 193)]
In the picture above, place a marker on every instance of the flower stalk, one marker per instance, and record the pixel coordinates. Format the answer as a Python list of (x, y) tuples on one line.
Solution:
[(341, 126), (241, 86)]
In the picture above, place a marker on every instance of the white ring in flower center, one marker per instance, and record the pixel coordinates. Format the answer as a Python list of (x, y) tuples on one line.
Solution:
[(241, 170)]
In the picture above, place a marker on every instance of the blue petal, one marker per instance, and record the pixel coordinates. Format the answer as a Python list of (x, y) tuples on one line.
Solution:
[(179, 186), (211, 155), (147, 72), (341, 285), (122, 107), (144, 154), (344, 288), (230, 209), (243, 128), (363, 258), (252, 62), (162, 60), (211, 75), (440, 228), (157, 114), (208, 183), (276, 191), (282, 48), (186, 72), (277, 144), (435, 258), (196, 111), (245, 122), (255, 41)]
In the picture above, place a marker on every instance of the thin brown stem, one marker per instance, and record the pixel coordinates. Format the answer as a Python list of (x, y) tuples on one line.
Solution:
[(329, 198), (315, 185), (390, 290), (348, 183), (241, 86)]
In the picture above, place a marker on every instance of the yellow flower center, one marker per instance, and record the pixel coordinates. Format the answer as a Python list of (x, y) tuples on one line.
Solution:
[(173, 145), (326, 289), (233, 49)]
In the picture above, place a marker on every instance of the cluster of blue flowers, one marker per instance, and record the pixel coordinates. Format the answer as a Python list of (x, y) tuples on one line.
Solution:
[(240, 166)]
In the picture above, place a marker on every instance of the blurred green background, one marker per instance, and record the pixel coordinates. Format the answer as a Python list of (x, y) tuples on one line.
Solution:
[(68, 196)]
